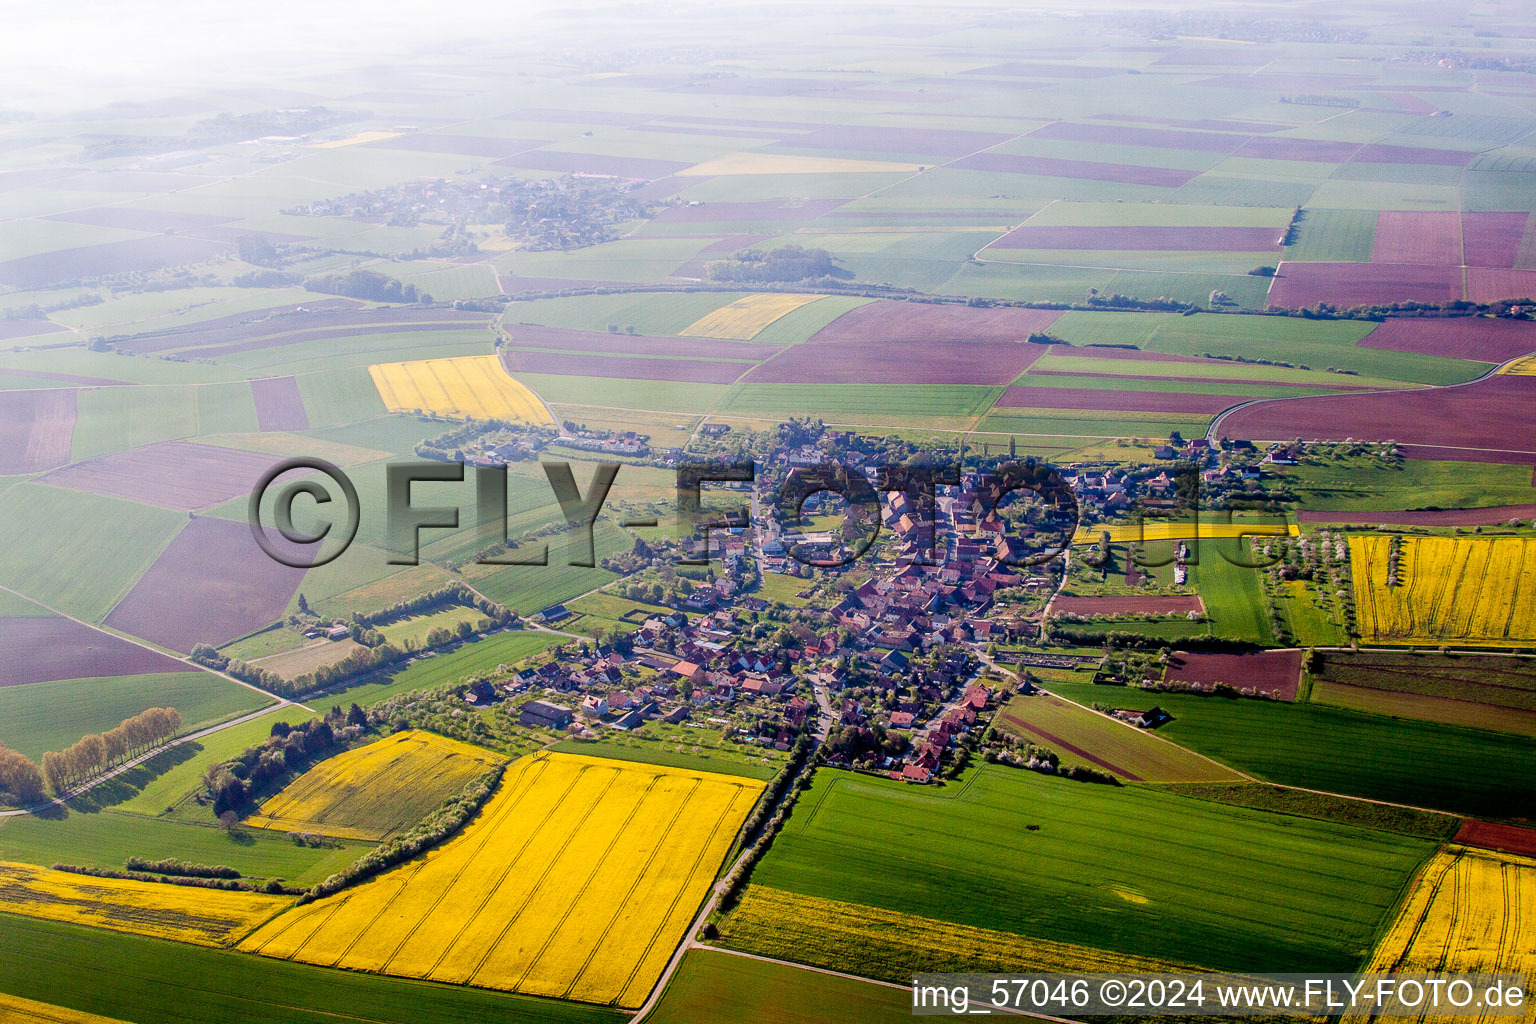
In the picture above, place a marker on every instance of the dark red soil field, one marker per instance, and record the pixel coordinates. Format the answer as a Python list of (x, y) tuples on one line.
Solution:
[(1307, 150), (1299, 285), (1168, 239), (1172, 604), (1061, 746), (1164, 138), (1244, 383), (899, 362), (580, 364), (300, 337), (872, 139), (1488, 516), (36, 650), (1412, 104), (1492, 239), (1209, 124), (1375, 153), (174, 474), (764, 210), (211, 585), (1268, 671), (341, 316), (1126, 401), (91, 261), (36, 428), (1492, 341), (893, 320), (1498, 413), (279, 406), (1493, 285), (1417, 237), (1050, 167), (27, 328), (470, 145), (593, 163), (1504, 838)]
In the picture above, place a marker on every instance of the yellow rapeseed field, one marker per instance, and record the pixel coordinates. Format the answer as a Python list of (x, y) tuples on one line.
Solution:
[(745, 318), (1121, 533), (830, 933), (207, 917), (355, 140), (1523, 367), (463, 386), (15, 1010), (783, 163), (1471, 911), (375, 790), (1479, 590), (577, 881)]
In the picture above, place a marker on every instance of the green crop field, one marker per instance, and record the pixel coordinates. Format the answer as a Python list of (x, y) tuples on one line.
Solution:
[(483, 655), (1423, 764), (712, 986), (152, 981), (646, 313), (1233, 594), (1081, 736), (1135, 871), (1333, 236), (106, 838), (1362, 483), (111, 419), (76, 551), (678, 747), (52, 715)]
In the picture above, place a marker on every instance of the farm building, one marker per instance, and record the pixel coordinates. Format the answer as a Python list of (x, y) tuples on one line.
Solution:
[(539, 714)]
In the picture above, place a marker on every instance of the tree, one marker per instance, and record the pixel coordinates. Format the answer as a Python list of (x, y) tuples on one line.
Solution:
[(228, 820), (21, 783)]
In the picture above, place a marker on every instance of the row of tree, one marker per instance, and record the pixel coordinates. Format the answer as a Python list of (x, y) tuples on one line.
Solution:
[(21, 783), (93, 754)]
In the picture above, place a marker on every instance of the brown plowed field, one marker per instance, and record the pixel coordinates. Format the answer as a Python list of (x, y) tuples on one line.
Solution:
[(1051, 167), (1269, 671), (1165, 239), (1494, 285), (1504, 838), (899, 362), (1122, 401), (577, 364), (1173, 604), (1498, 413), (1417, 237), (279, 406), (211, 585), (175, 474), (1299, 285), (340, 315), (36, 650), (1492, 239), (893, 320), (90, 261), (1492, 341), (36, 428), (1161, 138)]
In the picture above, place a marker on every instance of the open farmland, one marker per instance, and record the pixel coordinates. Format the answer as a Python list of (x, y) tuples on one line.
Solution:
[(209, 917), (1477, 591), (712, 986), (466, 386), (896, 361), (1171, 604), (1487, 691), (37, 649), (130, 975), (886, 320), (36, 428), (279, 405), (1492, 341), (174, 474), (1152, 530), (745, 318), (210, 585), (27, 1011), (1504, 838), (1300, 285), (1083, 736), (576, 881), (893, 945), (1422, 764), (1468, 913), (374, 791), (1275, 673), (1120, 880)]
